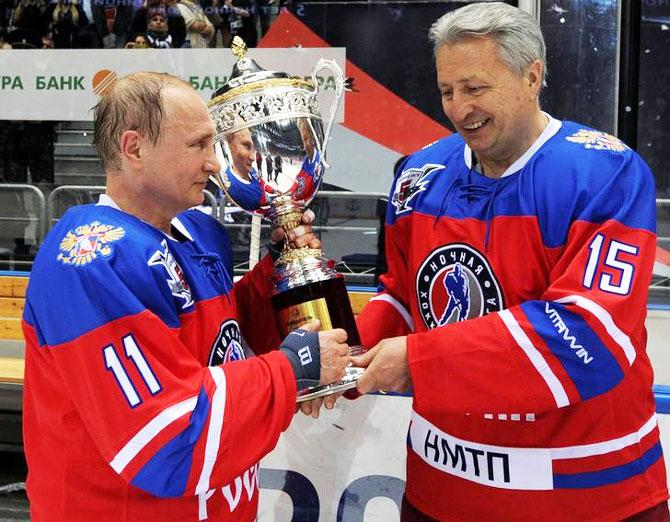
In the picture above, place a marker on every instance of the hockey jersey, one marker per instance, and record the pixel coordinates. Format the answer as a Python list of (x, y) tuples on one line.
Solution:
[(139, 403), (523, 300)]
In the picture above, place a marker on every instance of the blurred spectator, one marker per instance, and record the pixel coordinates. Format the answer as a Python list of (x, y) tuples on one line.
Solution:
[(199, 30), (6, 8), (175, 22), (4, 44), (137, 41), (264, 11), (112, 19), (30, 16), (217, 13), (67, 20), (158, 35), (242, 20)]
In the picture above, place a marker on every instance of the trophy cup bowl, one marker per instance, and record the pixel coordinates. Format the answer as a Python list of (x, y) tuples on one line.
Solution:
[(271, 144)]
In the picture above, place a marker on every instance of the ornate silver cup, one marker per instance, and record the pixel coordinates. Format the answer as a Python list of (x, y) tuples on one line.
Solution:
[(271, 144)]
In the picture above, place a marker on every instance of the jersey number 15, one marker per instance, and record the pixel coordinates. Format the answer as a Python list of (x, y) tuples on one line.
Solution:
[(613, 263)]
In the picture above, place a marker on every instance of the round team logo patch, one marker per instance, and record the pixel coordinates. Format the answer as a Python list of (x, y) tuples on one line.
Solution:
[(456, 283), (228, 344)]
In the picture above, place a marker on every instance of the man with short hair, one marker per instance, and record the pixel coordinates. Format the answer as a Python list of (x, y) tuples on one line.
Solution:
[(533, 401), (140, 403)]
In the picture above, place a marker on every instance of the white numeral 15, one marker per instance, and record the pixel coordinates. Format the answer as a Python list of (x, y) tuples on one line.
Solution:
[(611, 261)]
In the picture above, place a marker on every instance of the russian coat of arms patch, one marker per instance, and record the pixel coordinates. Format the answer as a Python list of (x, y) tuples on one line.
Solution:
[(86, 242), (592, 139)]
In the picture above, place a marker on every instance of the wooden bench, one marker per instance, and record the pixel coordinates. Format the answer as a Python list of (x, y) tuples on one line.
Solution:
[(12, 297)]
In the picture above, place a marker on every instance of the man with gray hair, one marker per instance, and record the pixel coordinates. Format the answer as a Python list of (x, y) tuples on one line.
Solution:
[(532, 398), (139, 401)]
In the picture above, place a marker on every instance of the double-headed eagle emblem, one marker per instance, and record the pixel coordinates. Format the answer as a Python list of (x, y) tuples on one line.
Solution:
[(592, 139), (86, 242)]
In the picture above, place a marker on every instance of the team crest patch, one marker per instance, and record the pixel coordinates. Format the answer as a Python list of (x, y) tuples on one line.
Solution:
[(176, 280), (228, 344), (597, 140), (455, 283), (86, 242), (409, 184)]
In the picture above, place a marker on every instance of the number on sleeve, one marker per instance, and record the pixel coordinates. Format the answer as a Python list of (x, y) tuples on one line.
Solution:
[(612, 266), (134, 353)]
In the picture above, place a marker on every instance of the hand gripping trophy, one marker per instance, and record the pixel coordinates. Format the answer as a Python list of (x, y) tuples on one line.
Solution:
[(271, 143)]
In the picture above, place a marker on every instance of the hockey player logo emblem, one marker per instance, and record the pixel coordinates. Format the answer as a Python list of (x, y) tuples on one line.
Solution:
[(410, 183), (228, 344), (176, 281), (455, 283), (83, 244)]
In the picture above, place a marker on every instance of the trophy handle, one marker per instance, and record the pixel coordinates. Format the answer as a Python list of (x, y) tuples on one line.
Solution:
[(334, 67)]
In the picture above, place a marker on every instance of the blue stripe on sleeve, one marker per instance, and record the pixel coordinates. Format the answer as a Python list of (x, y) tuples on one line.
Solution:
[(166, 474), (588, 362), (603, 477)]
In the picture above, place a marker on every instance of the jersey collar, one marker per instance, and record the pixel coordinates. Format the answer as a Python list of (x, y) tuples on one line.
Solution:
[(552, 128), (106, 201)]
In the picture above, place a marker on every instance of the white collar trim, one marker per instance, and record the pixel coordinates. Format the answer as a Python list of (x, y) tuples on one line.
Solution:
[(550, 130), (106, 201)]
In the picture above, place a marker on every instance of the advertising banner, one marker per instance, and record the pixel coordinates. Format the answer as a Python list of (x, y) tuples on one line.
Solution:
[(65, 84)]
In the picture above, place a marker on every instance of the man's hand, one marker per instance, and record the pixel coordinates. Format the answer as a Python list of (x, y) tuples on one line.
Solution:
[(313, 407), (300, 236), (334, 352), (334, 359), (317, 358), (387, 367)]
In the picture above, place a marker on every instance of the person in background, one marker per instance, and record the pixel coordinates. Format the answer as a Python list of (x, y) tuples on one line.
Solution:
[(176, 26), (158, 35), (139, 400), (520, 252), (137, 41), (199, 30)]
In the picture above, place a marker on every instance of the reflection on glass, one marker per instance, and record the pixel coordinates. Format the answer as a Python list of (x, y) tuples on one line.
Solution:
[(266, 161)]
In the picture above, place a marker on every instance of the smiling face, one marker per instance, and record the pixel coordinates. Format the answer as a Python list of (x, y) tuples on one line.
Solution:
[(495, 111)]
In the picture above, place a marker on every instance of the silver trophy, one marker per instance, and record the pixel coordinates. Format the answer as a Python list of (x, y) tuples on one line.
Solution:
[(271, 144)]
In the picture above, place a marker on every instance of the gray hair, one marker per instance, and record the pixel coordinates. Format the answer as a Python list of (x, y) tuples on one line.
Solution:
[(518, 35), (133, 102)]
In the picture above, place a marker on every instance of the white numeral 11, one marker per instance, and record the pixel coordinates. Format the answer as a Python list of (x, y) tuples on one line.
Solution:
[(133, 353)]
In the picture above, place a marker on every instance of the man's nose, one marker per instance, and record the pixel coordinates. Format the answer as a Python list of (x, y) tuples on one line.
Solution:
[(211, 162), (458, 108)]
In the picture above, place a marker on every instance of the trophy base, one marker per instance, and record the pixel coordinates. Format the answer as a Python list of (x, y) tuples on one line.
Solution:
[(351, 375)]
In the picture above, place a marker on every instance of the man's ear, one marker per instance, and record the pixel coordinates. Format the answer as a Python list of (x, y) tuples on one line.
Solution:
[(534, 78), (131, 143)]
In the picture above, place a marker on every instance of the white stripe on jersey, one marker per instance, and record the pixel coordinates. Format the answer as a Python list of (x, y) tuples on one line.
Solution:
[(149, 431), (505, 467), (214, 432), (608, 446), (606, 319), (536, 359), (398, 306)]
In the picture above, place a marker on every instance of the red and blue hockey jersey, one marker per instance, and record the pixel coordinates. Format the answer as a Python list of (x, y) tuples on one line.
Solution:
[(524, 300), (139, 403)]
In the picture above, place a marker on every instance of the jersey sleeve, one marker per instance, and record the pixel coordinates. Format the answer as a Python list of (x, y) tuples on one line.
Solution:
[(162, 421), (256, 313), (579, 339), (387, 313)]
